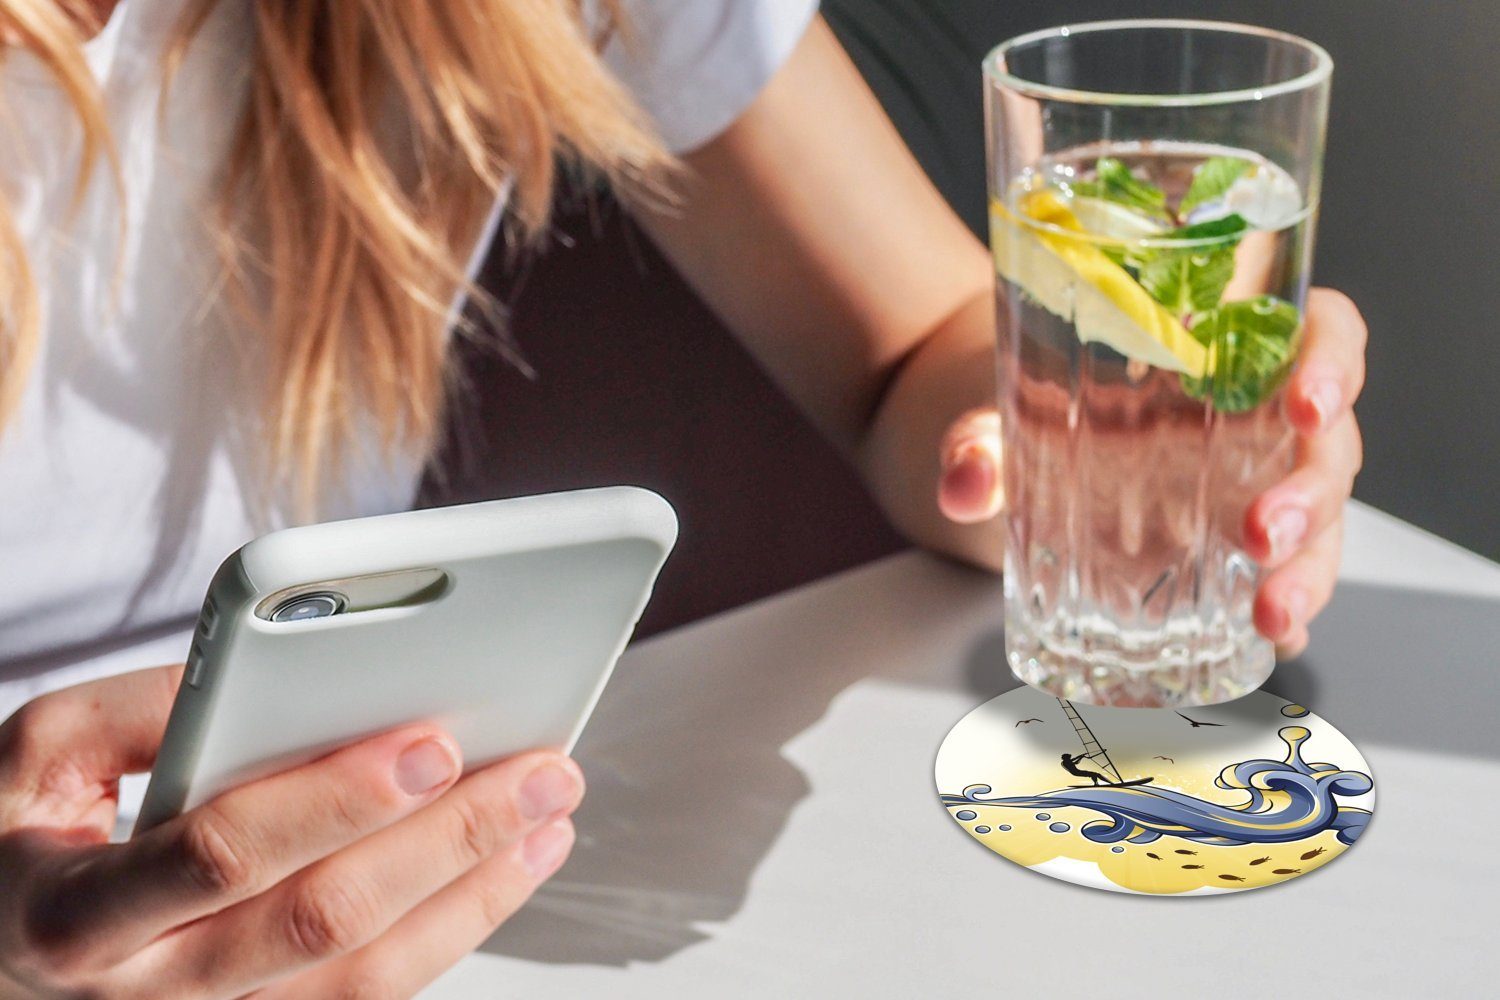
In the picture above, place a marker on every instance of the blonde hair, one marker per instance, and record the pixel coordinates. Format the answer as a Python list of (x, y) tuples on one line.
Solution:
[(346, 258)]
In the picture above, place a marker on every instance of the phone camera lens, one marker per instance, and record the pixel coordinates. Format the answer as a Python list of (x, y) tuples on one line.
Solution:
[(306, 606)]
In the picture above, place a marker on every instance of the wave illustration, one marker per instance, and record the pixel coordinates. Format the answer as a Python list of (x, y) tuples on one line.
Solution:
[(1287, 801)]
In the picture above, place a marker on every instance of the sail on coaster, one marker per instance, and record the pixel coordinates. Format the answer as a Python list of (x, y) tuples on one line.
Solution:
[(1091, 747)]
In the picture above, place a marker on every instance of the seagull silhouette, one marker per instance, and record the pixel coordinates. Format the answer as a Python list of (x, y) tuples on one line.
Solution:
[(1024, 721), (1169, 760), (1196, 723)]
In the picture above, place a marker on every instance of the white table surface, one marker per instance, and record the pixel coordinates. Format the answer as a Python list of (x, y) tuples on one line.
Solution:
[(762, 821)]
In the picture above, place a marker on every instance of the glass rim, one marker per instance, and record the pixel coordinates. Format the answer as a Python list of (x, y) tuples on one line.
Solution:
[(1321, 70)]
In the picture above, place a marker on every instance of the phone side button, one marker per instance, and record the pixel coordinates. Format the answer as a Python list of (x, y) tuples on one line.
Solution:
[(194, 673)]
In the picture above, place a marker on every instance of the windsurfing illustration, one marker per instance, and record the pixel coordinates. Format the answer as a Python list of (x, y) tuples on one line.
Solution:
[(1133, 800), (1091, 751)]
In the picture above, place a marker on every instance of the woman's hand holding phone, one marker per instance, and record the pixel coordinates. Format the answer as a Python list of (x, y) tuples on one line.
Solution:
[(374, 867)]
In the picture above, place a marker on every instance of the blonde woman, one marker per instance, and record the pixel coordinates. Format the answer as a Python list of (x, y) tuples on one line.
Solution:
[(232, 240)]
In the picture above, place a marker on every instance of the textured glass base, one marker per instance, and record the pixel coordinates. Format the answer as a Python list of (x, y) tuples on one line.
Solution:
[(1165, 680)]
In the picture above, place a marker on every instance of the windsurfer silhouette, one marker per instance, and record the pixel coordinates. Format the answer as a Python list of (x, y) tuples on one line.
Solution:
[(1070, 764)]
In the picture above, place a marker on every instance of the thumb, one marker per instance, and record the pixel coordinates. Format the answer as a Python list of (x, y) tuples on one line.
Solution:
[(970, 487), (103, 729)]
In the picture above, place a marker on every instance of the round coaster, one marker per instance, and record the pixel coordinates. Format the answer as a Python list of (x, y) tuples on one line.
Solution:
[(1146, 800)]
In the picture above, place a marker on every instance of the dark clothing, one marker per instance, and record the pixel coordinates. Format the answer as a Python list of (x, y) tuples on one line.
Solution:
[(1070, 764)]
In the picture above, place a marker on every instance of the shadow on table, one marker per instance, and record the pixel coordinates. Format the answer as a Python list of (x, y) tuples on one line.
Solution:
[(1387, 665), (689, 788), (1404, 667), (688, 785), (686, 794)]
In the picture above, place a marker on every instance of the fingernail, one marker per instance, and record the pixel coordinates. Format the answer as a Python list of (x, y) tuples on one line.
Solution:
[(424, 765), (971, 473), (545, 850), (969, 453), (1296, 602), (1325, 395), (971, 478), (550, 789), (1285, 531)]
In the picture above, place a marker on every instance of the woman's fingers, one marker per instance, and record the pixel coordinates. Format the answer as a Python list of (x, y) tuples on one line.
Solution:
[(1296, 527), (1294, 644), (1331, 371), (970, 488), (100, 730), (97, 909), (1302, 506), (442, 929), (1294, 594), (345, 901)]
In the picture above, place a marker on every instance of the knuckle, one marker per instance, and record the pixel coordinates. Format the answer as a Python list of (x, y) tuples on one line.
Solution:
[(354, 802), (345, 813), (472, 832), (328, 917), (480, 826), (213, 854)]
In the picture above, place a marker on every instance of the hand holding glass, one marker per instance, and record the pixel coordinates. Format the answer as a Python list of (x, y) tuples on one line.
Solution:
[(1153, 188)]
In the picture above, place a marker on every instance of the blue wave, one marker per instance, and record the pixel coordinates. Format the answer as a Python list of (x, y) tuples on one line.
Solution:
[(1287, 801)]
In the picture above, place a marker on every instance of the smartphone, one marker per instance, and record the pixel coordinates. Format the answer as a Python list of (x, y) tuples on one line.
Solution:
[(500, 621)]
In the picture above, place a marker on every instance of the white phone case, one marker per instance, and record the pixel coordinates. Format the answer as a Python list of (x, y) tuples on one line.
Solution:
[(539, 596)]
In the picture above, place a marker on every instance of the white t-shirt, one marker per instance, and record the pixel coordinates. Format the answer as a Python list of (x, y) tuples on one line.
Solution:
[(126, 475)]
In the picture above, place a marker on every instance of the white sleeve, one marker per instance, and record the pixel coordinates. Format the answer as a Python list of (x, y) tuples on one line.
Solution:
[(694, 65)]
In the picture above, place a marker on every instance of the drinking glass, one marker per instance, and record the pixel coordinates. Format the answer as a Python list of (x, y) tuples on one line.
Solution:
[(1153, 191)]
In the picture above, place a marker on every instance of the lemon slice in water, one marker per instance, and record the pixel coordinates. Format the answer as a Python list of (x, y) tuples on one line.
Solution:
[(1075, 280), (1117, 222)]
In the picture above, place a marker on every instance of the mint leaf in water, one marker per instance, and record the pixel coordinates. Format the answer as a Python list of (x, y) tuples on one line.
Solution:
[(1250, 348), (1192, 279), (1187, 282), (1212, 181), (1217, 229), (1114, 182)]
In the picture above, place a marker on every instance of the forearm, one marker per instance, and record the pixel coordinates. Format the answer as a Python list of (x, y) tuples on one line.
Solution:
[(949, 373), (814, 234)]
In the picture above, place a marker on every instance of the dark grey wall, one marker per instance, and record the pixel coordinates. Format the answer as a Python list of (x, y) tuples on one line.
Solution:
[(1411, 203)]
